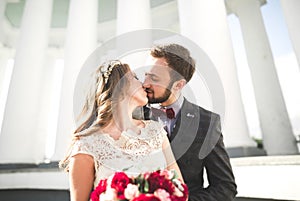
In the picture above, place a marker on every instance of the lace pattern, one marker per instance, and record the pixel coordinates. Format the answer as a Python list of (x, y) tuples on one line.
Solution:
[(133, 153)]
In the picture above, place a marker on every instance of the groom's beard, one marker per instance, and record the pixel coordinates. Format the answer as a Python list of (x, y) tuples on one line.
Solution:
[(161, 99)]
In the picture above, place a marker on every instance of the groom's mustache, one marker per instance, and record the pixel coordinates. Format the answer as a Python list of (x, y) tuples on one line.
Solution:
[(148, 90)]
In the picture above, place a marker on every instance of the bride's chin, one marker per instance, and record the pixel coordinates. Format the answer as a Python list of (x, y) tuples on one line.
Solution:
[(143, 103)]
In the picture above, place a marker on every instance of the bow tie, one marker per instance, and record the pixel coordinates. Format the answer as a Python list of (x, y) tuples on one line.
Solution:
[(170, 113)]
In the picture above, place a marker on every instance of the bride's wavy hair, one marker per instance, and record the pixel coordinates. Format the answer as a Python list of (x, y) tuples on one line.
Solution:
[(109, 87)]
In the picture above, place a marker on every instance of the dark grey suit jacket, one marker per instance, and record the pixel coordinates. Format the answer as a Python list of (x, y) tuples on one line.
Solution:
[(197, 143)]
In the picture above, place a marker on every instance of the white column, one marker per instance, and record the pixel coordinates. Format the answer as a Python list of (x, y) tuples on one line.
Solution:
[(6, 66), (81, 40), (277, 132), (20, 139), (133, 15), (133, 18), (204, 22), (3, 51), (3, 71), (2, 9), (3, 62), (52, 79), (291, 11)]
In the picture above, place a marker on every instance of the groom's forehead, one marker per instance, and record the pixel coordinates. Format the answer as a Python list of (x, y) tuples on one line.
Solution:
[(157, 66), (159, 70)]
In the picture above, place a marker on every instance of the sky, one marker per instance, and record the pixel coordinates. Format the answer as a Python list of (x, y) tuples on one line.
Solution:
[(285, 61)]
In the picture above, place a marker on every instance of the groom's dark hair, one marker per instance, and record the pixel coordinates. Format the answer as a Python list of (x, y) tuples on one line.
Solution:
[(178, 58)]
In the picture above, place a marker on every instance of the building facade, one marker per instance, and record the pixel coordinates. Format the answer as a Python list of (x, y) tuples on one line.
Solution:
[(44, 46)]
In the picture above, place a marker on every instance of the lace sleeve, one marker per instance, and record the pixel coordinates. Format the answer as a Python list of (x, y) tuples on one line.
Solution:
[(82, 146), (85, 145)]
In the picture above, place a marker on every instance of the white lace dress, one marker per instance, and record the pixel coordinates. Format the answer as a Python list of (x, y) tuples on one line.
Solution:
[(132, 153)]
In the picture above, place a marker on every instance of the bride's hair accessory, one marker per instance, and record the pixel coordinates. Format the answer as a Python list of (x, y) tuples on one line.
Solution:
[(106, 69)]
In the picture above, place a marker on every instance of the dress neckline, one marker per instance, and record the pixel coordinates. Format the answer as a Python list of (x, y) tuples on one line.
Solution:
[(126, 134)]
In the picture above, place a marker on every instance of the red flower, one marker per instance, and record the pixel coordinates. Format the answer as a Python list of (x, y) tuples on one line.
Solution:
[(119, 183), (157, 180), (150, 186), (98, 190), (186, 190), (146, 197)]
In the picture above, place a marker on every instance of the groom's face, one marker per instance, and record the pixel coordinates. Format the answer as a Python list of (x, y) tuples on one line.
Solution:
[(157, 81)]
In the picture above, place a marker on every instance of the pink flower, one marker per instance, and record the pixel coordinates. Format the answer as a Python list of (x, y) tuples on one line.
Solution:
[(162, 194), (178, 193), (168, 174), (131, 191), (146, 197)]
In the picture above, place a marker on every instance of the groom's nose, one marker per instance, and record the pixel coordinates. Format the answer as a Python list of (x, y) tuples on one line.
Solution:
[(146, 83)]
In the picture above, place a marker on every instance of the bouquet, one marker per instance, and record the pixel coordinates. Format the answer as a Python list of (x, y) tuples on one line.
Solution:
[(160, 185)]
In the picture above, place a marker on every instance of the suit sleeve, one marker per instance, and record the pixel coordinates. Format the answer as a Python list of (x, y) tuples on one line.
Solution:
[(222, 186)]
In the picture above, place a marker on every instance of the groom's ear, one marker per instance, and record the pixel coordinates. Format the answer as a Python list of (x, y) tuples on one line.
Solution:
[(178, 85)]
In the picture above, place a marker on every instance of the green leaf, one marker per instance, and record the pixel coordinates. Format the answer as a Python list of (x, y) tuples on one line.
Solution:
[(175, 174), (146, 187)]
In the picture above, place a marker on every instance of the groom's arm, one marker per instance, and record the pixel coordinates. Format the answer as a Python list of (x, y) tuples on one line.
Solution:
[(222, 186), (220, 177)]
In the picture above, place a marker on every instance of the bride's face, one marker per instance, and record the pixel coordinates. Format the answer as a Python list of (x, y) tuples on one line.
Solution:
[(136, 92)]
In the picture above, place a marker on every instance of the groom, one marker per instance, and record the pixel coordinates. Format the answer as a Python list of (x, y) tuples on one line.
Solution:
[(194, 133)]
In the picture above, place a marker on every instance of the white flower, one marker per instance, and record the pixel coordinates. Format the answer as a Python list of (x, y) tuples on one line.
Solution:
[(109, 195), (178, 184), (131, 191)]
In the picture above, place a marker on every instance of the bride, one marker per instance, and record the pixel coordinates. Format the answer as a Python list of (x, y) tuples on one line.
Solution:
[(110, 140)]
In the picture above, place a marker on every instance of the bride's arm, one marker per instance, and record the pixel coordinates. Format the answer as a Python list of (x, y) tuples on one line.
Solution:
[(171, 161), (81, 177)]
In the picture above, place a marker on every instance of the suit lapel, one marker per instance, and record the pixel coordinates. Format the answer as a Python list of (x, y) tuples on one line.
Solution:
[(186, 129), (187, 119)]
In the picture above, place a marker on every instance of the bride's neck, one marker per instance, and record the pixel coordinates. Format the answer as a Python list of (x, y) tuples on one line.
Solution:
[(122, 120), (122, 115)]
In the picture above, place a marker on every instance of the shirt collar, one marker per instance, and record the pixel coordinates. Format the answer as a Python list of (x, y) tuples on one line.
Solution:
[(177, 104)]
